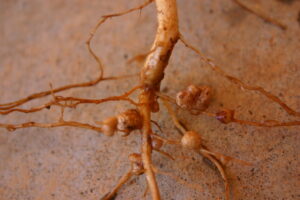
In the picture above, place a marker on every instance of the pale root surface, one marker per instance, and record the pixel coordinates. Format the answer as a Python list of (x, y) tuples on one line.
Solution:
[(44, 41)]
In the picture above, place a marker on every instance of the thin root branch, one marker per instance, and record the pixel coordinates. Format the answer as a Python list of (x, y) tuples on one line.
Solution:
[(268, 123), (75, 101), (121, 182), (220, 169), (256, 10), (225, 159), (167, 141), (166, 97), (174, 117), (238, 82), (9, 106), (13, 127), (152, 73), (146, 191), (157, 125), (140, 58), (178, 180), (103, 19), (165, 154)]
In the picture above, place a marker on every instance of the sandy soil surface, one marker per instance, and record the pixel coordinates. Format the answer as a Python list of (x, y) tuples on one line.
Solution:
[(43, 42)]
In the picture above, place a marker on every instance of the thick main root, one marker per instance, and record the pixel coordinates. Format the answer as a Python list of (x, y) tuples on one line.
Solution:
[(139, 118)]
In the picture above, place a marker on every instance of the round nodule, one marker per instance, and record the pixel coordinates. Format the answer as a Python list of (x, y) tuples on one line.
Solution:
[(109, 126), (156, 143), (225, 116), (129, 120), (191, 140), (137, 166)]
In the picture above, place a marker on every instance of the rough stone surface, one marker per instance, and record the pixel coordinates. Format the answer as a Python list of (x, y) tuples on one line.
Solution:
[(43, 42)]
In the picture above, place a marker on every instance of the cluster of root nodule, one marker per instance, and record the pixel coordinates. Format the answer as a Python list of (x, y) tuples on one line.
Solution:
[(195, 99), (124, 123)]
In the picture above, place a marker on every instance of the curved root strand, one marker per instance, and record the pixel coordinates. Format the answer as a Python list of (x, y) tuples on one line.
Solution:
[(140, 58), (268, 123), (225, 159), (151, 77), (167, 141), (9, 106), (74, 101), (178, 180), (105, 17), (122, 181), (164, 154), (157, 125), (258, 12), (175, 120), (221, 171), (238, 82), (35, 109), (13, 127), (166, 97), (146, 191), (123, 97)]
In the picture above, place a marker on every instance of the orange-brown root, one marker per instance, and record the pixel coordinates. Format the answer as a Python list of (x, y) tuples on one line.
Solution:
[(13, 127), (268, 123), (225, 159), (7, 106), (72, 102), (221, 171), (238, 82), (258, 12), (179, 180), (165, 154), (111, 195), (175, 120), (140, 58)]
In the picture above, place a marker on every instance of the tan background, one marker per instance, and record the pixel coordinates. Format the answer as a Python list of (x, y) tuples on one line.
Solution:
[(44, 41)]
